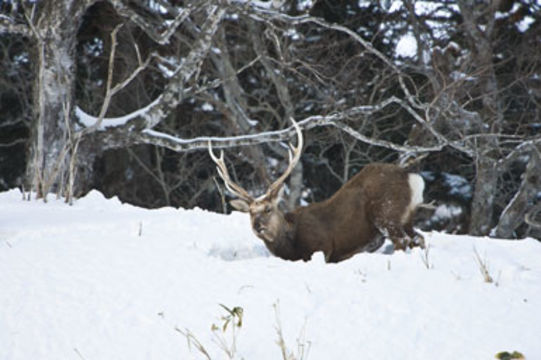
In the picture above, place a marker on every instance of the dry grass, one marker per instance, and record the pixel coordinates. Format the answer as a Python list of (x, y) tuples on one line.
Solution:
[(303, 345), (225, 335), (425, 257), (483, 266)]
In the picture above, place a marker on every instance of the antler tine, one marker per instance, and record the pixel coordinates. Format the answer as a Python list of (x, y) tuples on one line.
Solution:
[(224, 174), (294, 156)]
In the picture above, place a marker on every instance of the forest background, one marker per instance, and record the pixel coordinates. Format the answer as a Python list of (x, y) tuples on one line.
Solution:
[(124, 96)]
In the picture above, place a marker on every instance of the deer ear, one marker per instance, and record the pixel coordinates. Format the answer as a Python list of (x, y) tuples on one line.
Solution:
[(240, 205)]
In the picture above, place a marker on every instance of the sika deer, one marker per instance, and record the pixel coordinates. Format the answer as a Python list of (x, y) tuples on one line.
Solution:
[(378, 201)]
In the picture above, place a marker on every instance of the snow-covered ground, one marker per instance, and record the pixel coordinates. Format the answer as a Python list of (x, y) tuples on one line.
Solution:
[(103, 280)]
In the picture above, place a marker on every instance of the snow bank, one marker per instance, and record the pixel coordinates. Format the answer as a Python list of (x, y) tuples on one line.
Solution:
[(105, 280)]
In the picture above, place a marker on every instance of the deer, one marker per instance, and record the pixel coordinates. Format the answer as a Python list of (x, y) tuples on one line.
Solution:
[(378, 202)]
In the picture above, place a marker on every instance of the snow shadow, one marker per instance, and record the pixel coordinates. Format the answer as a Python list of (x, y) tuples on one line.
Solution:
[(241, 253)]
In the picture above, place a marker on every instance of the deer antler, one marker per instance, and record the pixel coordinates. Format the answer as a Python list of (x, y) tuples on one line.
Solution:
[(224, 174), (294, 156)]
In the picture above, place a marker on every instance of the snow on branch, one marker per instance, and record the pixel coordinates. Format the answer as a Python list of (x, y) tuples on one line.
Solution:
[(141, 122), (150, 29), (519, 150), (411, 103), (92, 123), (178, 144), (263, 14), (174, 93), (121, 121)]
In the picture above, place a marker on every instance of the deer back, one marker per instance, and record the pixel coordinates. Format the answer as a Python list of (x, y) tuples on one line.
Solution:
[(350, 221)]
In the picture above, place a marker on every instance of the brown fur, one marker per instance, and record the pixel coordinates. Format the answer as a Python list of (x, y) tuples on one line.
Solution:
[(373, 202)]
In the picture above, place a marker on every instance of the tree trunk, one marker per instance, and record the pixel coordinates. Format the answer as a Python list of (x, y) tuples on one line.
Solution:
[(53, 95), (482, 208), (513, 215), (486, 184)]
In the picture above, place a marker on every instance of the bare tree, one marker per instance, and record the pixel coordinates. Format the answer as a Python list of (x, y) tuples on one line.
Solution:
[(468, 71), (233, 72)]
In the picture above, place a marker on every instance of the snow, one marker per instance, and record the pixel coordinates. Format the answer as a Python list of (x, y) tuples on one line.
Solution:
[(364, 4), (436, 9), (305, 5), (106, 280), (395, 6), (88, 120), (458, 185), (525, 23), (166, 72), (261, 4), (207, 107), (406, 46), (293, 34), (447, 211)]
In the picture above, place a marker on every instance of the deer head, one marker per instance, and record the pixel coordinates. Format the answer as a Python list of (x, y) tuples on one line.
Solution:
[(268, 221)]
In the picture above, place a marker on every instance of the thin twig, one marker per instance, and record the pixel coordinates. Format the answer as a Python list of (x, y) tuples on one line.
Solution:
[(191, 339)]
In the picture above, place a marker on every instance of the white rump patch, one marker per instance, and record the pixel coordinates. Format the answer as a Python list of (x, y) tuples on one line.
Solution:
[(417, 186)]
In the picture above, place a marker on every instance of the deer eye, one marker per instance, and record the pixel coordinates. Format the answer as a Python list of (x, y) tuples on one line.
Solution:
[(268, 209)]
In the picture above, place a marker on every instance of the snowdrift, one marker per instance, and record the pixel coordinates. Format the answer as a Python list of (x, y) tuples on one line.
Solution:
[(105, 280)]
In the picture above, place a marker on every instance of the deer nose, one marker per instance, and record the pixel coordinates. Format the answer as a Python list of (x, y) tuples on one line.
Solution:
[(258, 227)]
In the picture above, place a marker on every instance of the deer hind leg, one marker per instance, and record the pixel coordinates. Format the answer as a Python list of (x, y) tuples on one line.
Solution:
[(374, 244), (398, 227), (416, 238), (403, 236), (396, 233), (400, 238)]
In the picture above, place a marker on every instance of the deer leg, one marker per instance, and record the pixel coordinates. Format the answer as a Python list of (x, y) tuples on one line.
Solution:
[(419, 240), (374, 244), (333, 258), (401, 240), (391, 232), (416, 238), (400, 234), (399, 237)]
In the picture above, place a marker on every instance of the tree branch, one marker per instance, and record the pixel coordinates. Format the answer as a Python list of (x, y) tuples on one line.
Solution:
[(8, 25), (175, 90), (199, 143), (150, 29)]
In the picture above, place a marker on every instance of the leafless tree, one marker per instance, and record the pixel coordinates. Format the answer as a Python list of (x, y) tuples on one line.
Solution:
[(232, 72)]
